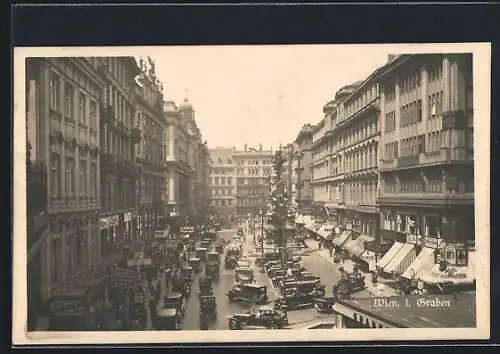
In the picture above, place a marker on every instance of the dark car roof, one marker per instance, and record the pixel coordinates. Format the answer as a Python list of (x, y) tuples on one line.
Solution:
[(167, 312)]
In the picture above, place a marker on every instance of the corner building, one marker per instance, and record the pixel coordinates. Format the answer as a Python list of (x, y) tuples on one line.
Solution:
[(427, 157)]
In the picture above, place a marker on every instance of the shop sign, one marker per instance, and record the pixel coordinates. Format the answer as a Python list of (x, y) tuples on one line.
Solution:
[(67, 307), (432, 242), (450, 273), (186, 229)]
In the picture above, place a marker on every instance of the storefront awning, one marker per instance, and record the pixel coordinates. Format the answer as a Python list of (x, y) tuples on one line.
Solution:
[(456, 275), (357, 246), (422, 264), (395, 248), (402, 259), (340, 240)]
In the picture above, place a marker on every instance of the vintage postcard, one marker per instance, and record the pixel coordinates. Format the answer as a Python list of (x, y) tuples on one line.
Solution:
[(251, 193)]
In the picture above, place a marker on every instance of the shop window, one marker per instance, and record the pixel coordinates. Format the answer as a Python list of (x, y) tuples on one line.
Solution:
[(54, 91)]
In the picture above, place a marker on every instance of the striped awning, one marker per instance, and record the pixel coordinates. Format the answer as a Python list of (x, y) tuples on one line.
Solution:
[(395, 248), (402, 260), (357, 246), (340, 240), (422, 264)]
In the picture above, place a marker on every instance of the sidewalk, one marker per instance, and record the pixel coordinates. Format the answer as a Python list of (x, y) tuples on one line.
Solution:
[(379, 289)]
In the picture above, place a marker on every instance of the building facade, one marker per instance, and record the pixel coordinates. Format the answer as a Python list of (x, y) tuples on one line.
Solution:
[(182, 148), (119, 135), (320, 166), (354, 143), (149, 152), (252, 175), (302, 167), (427, 154), (63, 128), (222, 181)]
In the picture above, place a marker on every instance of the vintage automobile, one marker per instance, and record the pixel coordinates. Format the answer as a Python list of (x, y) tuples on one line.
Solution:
[(295, 301), (349, 284), (243, 262), (244, 272), (270, 264), (213, 257), (239, 232), (201, 253), (168, 319), (303, 285), (187, 272), (265, 318), (176, 301), (205, 243), (233, 250), (217, 227), (219, 247), (254, 293), (230, 262), (324, 305), (182, 285), (272, 256), (271, 272), (195, 263), (208, 307), (205, 286), (212, 270)]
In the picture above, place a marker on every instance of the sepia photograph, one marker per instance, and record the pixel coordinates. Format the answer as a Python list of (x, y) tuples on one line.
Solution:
[(251, 193)]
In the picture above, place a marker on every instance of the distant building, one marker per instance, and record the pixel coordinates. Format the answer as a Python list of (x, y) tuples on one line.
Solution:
[(239, 180), (302, 167)]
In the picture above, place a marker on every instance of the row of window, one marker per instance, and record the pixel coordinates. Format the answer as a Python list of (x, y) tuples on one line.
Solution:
[(75, 177), (411, 113), (364, 193), (220, 171), (416, 145), (87, 107), (118, 195), (390, 121), (116, 144), (222, 202), (223, 181), (253, 162), (360, 102), (222, 191)]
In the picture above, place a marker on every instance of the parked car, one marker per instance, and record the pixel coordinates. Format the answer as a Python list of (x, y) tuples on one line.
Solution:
[(182, 285), (265, 317), (295, 301), (168, 319), (254, 293), (208, 307), (349, 284), (205, 286), (176, 301), (212, 270)]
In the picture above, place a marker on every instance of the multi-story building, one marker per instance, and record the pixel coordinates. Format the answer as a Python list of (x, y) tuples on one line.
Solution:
[(150, 151), (303, 169), (320, 166), (427, 157), (182, 142), (118, 136), (222, 181), (63, 128), (354, 154), (253, 170), (202, 190)]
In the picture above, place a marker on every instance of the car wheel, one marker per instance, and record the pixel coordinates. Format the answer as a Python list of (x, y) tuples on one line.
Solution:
[(233, 324)]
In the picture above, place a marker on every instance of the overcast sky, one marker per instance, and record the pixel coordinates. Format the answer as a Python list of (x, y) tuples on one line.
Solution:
[(260, 94)]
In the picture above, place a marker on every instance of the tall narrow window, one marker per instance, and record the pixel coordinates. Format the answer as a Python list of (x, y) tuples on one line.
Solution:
[(54, 91), (68, 100), (82, 109), (55, 179), (83, 179), (93, 180), (93, 115), (70, 177)]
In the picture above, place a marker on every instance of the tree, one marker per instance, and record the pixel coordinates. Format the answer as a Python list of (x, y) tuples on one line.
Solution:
[(279, 210)]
